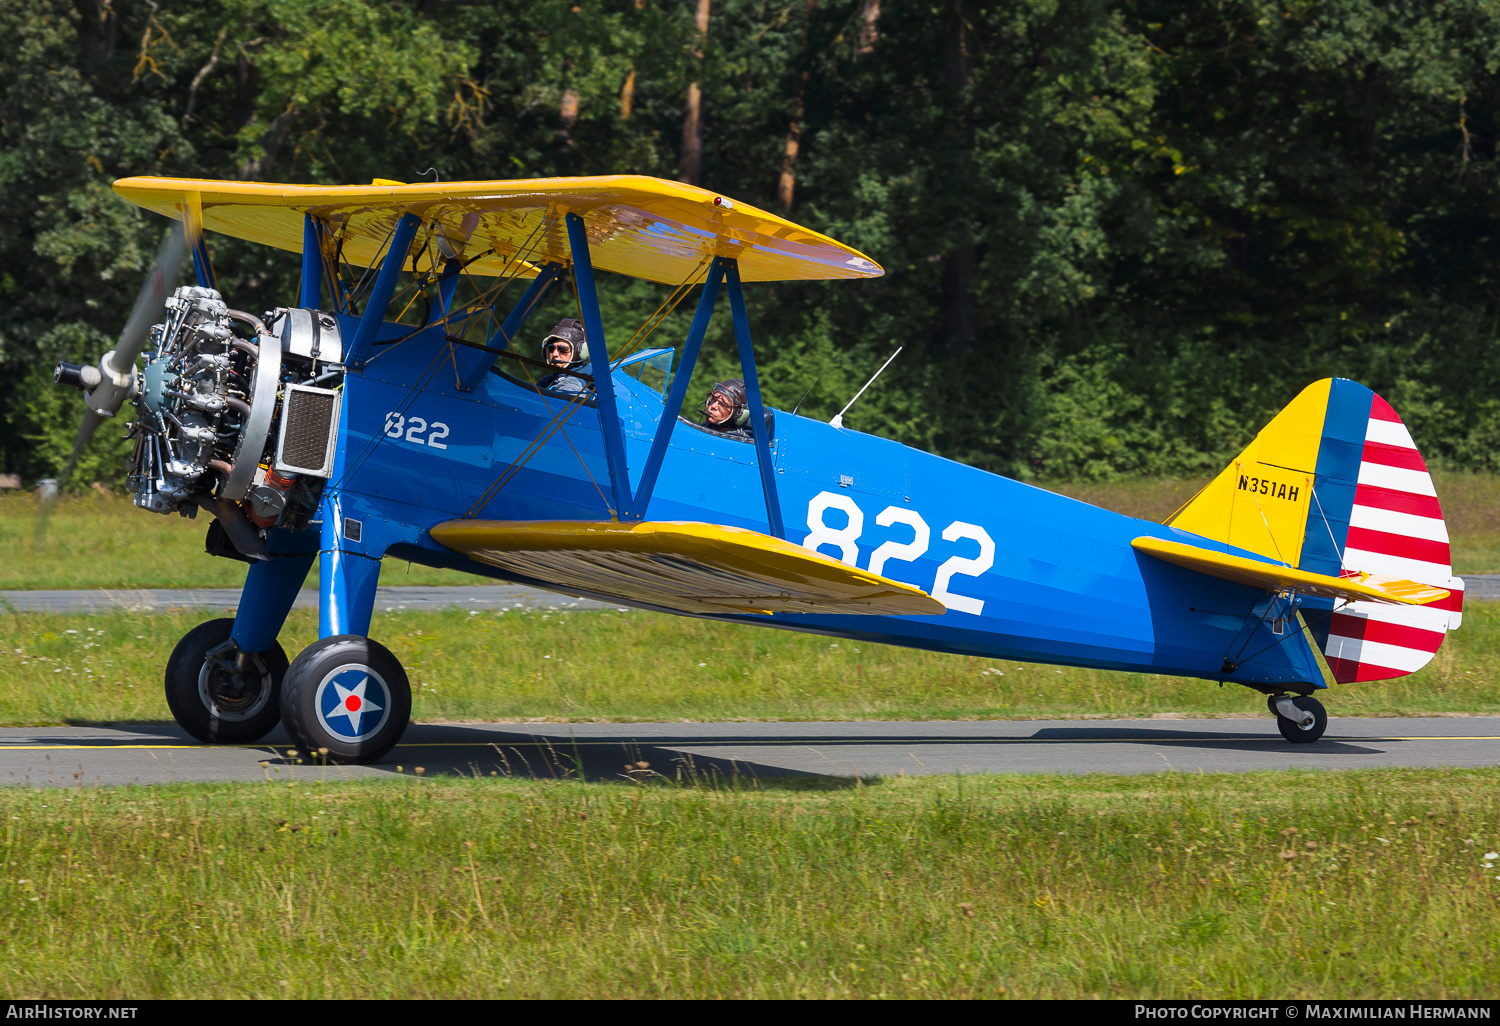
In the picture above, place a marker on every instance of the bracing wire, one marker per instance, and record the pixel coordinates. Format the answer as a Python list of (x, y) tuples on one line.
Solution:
[(661, 313), (566, 413), (1327, 526), (559, 418), (1306, 629), (375, 262), (485, 299), (354, 466)]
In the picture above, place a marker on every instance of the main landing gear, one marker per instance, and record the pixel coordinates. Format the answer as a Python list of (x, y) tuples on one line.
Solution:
[(344, 699), (1301, 720), (219, 694)]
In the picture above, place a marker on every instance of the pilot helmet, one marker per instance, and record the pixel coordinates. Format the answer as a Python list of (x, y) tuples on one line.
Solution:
[(734, 391), (569, 330)]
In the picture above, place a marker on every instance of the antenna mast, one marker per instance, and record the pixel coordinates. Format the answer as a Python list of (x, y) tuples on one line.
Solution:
[(838, 418)]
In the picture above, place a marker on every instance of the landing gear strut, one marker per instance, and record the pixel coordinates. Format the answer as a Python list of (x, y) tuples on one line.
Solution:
[(219, 694), (1301, 720)]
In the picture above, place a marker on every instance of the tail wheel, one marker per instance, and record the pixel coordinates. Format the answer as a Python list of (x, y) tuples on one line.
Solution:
[(346, 699), (1296, 732), (219, 694)]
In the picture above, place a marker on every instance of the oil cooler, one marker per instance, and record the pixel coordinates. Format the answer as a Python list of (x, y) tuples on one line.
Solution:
[(309, 429)]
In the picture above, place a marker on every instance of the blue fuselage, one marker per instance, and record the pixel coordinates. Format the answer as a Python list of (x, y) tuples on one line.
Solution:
[(1026, 574)]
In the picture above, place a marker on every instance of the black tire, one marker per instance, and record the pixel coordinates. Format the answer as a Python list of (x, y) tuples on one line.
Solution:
[(1301, 735), (333, 688), (212, 697)]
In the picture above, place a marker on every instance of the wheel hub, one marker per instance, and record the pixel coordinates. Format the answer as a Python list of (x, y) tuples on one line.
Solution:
[(353, 702), (234, 685), (1301, 717)]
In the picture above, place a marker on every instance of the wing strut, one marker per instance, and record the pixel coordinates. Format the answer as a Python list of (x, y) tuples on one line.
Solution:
[(752, 390), (380, 294), (680, 382), (311, 294), (192, 230), (604, 385), (447, 284), (725, 272)]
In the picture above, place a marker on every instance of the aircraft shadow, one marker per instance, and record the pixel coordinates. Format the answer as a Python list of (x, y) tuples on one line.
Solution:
[(623, 759), (1260, 741), (481, 751), (623, 756), (461, 751)]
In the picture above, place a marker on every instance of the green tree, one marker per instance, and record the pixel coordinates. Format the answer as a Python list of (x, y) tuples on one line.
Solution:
[(1118, 234)]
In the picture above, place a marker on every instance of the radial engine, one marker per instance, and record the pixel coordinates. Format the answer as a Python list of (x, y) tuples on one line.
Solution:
[(235, 414)]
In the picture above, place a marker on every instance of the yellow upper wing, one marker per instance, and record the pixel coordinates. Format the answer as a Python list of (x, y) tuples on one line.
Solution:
[(691, 567), (643, 227)]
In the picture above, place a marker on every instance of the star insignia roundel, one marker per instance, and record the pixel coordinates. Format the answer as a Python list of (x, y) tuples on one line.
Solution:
[(353, 703)]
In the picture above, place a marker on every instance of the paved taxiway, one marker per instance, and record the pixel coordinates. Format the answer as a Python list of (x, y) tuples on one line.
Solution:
[(148, 755), (70, 756)]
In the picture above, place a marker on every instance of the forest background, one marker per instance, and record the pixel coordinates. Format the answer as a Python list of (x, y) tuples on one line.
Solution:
[(1118, 234)]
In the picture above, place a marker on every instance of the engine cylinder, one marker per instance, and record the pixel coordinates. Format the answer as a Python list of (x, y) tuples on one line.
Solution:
[(192, 405), (213, 408)]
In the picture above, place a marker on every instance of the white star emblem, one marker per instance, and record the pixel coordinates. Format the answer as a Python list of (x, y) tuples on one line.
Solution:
[(353, 704)]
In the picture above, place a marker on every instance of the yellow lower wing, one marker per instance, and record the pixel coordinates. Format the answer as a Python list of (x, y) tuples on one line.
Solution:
[(1368, 587), (690, 567)]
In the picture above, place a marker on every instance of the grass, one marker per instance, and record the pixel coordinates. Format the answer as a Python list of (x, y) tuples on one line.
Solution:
[(633, 666), (1241, 886), (1261, 885), (1471, 507), (102, 541)]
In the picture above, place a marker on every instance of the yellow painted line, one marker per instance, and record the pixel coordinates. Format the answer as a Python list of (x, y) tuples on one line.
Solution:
[(748, 742), (1444, 737), (65, 748)]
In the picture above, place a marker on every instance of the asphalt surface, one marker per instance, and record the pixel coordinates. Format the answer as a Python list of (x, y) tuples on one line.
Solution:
[(74, 756)]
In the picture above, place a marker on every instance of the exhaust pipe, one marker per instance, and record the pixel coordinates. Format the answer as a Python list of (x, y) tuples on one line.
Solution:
[(237, 527)]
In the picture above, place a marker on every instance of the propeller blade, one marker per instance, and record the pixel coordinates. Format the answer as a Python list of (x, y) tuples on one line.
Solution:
[(118, 365), (86, 429), (91, 422)]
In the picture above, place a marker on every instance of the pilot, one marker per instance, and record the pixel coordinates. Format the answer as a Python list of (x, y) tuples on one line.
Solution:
[(566, 349), (727, 410)]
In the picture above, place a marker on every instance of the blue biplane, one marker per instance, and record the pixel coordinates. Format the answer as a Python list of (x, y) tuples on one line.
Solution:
[(338, 429)]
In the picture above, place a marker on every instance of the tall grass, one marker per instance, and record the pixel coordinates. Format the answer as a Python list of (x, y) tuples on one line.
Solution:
[(641, 666), (1359, 885)]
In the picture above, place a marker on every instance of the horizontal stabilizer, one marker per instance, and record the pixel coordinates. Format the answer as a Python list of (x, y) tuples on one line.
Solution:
[(690, 567), (1358, 587)]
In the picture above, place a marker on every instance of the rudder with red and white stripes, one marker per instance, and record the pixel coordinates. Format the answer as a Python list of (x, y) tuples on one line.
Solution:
[(1396, 529)]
